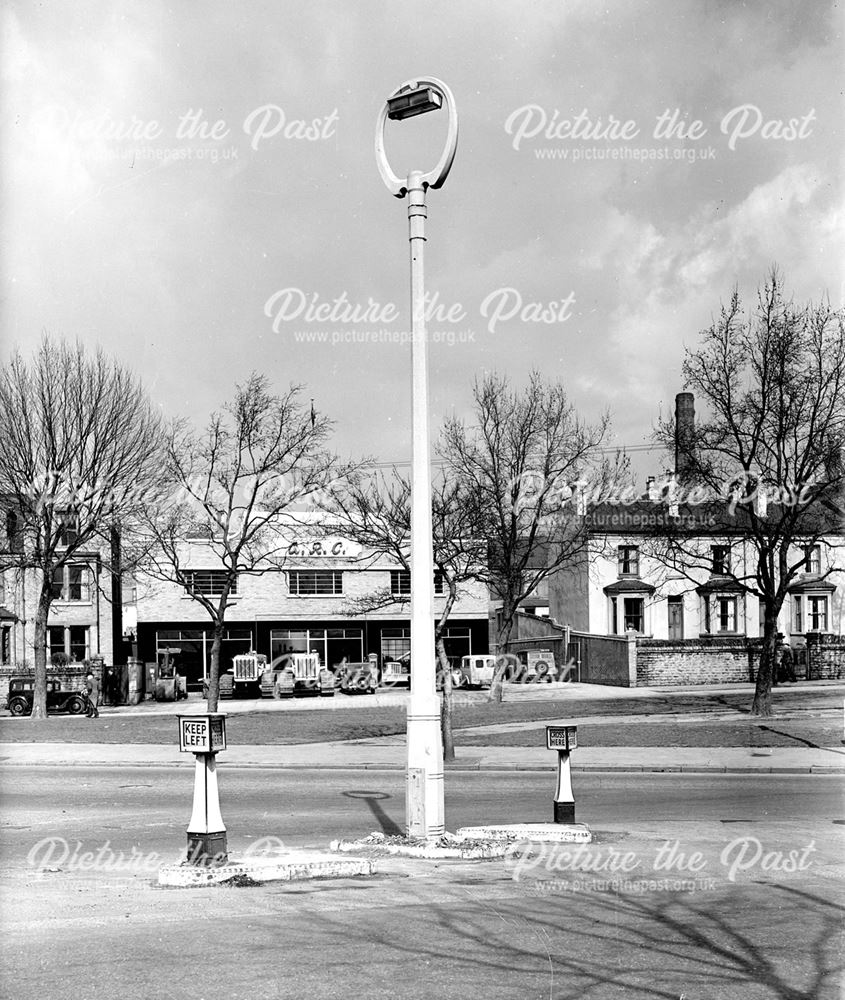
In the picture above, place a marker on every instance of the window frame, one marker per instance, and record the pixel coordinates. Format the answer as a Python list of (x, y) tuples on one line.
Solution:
[(68, 642), (297, 575), (720, 560), (399, 577), (214, 590), (63, 590), (813, 559), (624, 557), (812, 614)]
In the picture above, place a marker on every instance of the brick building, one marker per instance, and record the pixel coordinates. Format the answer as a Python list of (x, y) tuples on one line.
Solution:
[(322, 599)]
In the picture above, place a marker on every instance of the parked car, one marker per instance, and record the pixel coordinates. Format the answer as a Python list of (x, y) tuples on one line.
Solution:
[(398, 672), (477, 671), (357, 678), (19, 699)]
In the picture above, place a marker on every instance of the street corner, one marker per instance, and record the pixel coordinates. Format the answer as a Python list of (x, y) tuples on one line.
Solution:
[(290, 867)]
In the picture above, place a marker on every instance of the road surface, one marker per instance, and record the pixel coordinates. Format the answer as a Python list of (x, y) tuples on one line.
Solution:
[(706, 907)]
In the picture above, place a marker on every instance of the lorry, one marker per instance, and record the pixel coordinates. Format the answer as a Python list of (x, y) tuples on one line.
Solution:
[(397, 672), (247, 671), (297, 673), (243, 678)]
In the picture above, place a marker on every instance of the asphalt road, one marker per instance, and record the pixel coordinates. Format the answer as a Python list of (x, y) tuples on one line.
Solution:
[(735, 921)]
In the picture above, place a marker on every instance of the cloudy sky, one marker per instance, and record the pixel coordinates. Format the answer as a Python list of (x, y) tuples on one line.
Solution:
[(182, 181)]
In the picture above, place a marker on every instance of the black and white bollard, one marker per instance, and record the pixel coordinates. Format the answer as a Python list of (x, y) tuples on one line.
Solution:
[(563, 739), (205, 736)]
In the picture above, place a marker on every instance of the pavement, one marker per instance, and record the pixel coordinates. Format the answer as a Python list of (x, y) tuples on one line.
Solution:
[(388, 753), (516, 693)]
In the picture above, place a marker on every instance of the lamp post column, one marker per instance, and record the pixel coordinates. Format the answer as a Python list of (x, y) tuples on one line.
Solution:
[(424, 800), (424, 793)]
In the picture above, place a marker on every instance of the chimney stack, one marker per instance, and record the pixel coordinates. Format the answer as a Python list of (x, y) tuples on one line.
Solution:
[(684, 433)]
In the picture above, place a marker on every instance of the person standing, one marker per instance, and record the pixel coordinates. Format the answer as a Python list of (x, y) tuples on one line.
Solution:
[(93, 689)]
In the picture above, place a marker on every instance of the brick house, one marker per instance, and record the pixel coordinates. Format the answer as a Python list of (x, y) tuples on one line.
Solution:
[(693, 620), (82, 621)]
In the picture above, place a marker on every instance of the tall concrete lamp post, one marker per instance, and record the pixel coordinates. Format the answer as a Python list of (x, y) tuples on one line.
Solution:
[(424, 810)]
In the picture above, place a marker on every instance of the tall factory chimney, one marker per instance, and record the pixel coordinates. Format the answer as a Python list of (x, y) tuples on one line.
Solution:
[(684, 434)]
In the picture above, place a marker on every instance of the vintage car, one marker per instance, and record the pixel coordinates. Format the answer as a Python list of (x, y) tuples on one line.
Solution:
[(477, 671), (398, 672), (357, 678), (19, 699)]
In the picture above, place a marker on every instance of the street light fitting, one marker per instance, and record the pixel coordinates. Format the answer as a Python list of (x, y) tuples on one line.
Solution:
[(411, 101), (415, 97)]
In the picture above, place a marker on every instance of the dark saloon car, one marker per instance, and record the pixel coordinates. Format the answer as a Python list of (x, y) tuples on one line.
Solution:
[(19, 699)]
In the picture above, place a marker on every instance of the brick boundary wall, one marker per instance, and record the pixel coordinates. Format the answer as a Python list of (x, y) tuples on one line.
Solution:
[(695, 661), (825, 656)]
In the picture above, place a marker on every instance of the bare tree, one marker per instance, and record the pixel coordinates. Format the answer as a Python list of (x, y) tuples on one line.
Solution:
[(768, 455), (520, 469), (238, 489), (80, 445), (375, 511)]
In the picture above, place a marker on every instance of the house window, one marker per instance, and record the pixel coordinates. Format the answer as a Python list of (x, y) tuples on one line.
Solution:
[(209, 582), (797, 618), (725, 614), (721, 614), (5, 645), (71, 583), (313, 582), (400, 582), (816, 613), (813, 561), (633, 614), (13, 541), (70, 640), (720, 560), (68, 528), (629, 560)]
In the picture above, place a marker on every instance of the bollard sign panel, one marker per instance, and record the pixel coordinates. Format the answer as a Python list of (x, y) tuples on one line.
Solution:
[(202, 733), (561, 737)]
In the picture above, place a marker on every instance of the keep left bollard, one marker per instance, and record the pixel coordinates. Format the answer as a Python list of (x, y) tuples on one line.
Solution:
[(205, 736)]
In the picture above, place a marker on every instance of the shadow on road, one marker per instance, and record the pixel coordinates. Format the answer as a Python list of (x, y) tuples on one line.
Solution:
[(373, 800)]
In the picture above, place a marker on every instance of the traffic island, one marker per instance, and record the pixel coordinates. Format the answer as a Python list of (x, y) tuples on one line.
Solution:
[(446, 846), (247, 871), (537, 833)]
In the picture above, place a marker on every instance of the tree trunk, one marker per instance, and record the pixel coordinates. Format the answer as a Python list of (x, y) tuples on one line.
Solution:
[(214, 669), (502, 640), (42, 613), (762, 704), (446, 707)]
